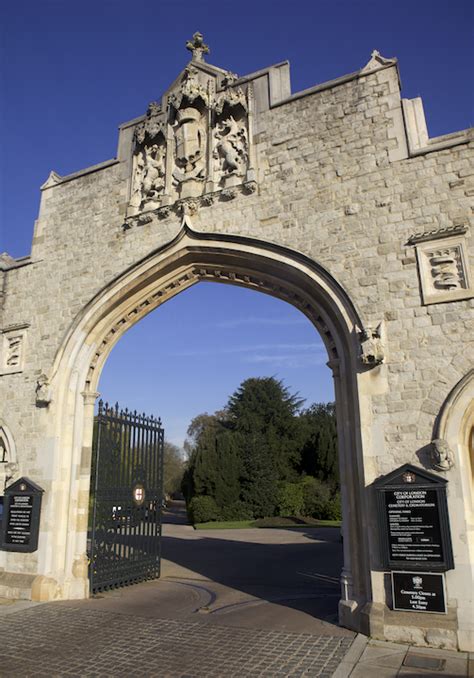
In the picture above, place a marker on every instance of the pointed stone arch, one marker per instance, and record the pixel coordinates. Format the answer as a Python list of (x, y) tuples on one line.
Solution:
[(192, 257), (455, 425), (8, 456)]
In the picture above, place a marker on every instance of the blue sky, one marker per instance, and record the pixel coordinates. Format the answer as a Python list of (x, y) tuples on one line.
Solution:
[(189, 355), (71, 72)]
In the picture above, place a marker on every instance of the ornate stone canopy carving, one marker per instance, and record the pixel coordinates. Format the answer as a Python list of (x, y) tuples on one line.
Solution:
[(196, 142)]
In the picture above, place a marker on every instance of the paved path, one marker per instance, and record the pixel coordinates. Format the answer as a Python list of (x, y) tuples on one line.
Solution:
[(230, 603), (280, 579), (55, 640), (379, 659)]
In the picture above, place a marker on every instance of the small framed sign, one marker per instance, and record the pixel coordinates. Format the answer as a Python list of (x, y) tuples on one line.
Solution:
[(419, 592)]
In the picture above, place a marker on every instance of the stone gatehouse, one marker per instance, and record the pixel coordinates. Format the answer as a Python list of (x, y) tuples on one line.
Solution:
[(334, 199)]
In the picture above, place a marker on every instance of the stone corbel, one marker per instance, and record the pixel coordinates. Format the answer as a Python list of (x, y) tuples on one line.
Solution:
[(442, 456), (188, 207), (90, 397), (335, 365), (43, 391), (372, 351)]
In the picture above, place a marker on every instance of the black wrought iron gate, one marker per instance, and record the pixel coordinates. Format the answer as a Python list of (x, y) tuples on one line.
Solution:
[(126, 496)]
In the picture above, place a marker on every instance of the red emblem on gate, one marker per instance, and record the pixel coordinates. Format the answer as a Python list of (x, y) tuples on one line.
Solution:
[(138, 494)]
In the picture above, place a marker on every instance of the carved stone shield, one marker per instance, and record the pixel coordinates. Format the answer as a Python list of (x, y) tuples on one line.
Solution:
[(190, 139)]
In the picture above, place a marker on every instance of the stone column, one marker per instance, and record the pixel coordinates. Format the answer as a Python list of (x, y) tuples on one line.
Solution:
[(346, 573), (79, 584)]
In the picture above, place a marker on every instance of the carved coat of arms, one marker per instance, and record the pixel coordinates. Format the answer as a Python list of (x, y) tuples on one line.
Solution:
[(196, 142), (190, 139)]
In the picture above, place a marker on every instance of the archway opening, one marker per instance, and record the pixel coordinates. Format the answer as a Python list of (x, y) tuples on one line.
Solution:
[(278, 471), (190, 258)]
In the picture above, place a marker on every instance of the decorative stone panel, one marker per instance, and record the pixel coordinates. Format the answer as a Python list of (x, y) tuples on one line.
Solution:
[(443, 265), (195, 142), (13, 346)]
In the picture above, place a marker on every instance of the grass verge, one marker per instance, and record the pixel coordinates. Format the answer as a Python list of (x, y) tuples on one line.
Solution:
[(225, 525), (269, 523)]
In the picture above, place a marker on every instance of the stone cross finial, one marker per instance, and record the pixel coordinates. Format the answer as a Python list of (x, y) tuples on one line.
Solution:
[(197, 47)]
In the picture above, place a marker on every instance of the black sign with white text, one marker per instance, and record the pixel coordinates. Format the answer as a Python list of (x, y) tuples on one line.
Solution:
[(21, 516), (414, 532), (418, 592), (413, 520), (18, 527)]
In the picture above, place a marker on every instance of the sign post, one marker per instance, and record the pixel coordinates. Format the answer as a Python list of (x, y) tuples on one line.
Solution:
[(21, 516)]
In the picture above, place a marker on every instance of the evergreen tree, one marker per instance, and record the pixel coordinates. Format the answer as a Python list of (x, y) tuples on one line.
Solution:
[(250, 457), (228, 470), (200, 447), (205, 471), (263, 407), (214, 465), (259, 481), (319, 443)]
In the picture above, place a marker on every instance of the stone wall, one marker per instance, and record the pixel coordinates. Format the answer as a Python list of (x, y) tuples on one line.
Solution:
[(336, 180)]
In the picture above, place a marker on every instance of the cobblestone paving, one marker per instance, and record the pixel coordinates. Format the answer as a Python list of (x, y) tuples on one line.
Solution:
[(51, 640)]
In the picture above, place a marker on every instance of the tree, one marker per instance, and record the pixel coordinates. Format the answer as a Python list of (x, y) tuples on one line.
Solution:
[(259, 480), (263, 406), (319, 443), (250, 457), (173, 468), (228, 470), (200, 474)]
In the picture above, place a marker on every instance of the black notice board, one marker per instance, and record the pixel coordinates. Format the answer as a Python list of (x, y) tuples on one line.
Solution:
[(419, 592), (413, 520), (21, 516)]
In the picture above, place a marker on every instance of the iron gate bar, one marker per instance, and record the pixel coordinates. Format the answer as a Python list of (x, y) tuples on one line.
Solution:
[(125, 534)]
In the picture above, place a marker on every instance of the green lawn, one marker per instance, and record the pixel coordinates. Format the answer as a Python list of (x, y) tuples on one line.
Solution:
[(274, 523)]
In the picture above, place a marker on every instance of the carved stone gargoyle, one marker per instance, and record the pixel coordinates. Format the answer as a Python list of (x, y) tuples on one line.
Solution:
[(442, 456), (371, 346), (43, 391)]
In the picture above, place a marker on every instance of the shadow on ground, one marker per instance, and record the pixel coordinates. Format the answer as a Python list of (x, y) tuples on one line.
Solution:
[(276, 577)]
